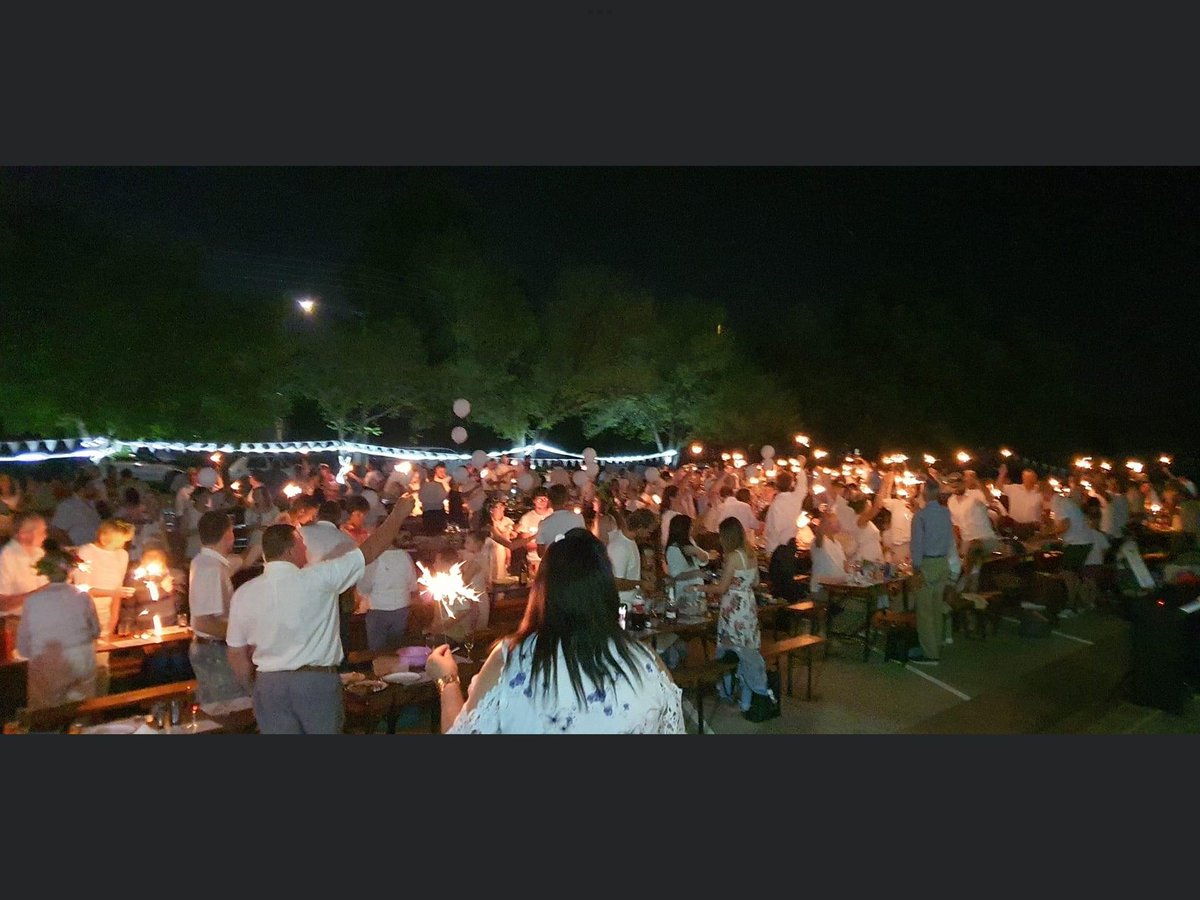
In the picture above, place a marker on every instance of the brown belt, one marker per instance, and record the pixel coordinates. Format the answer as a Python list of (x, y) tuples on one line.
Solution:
[(316, 669), (203, 639)]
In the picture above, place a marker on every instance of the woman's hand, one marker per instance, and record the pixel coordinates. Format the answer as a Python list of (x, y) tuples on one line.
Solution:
[(441, 662)]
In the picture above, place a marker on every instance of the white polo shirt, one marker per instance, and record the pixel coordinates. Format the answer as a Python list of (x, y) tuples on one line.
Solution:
[(558, 523), (325, 540), (1024, 506), (1078, 532), (210, 586), (780, 523), (290, 615), (390, 580), (626, 561), (17, 573)]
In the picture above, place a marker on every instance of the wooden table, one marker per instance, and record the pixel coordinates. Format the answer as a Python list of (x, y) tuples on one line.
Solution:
[(169, 635), (867, 593)]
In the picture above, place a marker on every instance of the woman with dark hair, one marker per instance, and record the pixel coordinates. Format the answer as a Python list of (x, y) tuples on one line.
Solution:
[(569, 667), (737, 627), (683, 560)]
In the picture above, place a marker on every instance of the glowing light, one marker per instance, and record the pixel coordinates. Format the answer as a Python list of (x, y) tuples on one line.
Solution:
[(802, 520), (1154, 508), (697, 449), (1084, 462), (446, 588), (1165, 460), (963, 456), (1054, 482), (818, 488), (1005, 453), (726, 457), (820, 454), (1133, 465), (657, 499), (344, 468), (158, 627), (996, 492), (802, 439), (292, 490), (215, 457), (1107, 467), (307, 305), (929, 460)]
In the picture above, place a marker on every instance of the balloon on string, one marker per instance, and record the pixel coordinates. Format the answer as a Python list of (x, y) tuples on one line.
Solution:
[(589, 454), (461, 475), (459, 435), (651, 474), (462, 408), (580, 478), (525, 481), (207, 477), (479, 458), (768, 451)]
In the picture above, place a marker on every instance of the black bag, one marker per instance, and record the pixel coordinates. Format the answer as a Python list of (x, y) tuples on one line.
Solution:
[(762, 707), (782, 571), (900, 639)]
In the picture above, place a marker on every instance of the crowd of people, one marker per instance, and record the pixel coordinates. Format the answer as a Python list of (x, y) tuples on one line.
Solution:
[(271, 557)]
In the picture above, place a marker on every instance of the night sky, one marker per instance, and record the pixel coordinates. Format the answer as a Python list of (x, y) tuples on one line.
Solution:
[(1105, 257)]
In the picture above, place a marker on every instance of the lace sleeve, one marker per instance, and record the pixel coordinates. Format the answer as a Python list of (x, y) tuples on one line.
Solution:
[(672, 711)]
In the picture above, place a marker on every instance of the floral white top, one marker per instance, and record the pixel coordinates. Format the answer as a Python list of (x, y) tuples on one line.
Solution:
[(738, 623), (517, 706)]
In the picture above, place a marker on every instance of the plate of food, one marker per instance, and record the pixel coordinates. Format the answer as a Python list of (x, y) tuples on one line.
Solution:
[(125, 726), (403, 677)]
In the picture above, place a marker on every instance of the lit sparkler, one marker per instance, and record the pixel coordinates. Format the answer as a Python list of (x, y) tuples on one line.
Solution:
[(447, 588)]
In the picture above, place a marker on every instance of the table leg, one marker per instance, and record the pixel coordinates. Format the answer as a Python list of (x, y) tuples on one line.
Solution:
[(870, 601), (699, 708), (808, 694)]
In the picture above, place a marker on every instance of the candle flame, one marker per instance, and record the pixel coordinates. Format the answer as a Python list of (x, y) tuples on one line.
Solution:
[(292, 490), (929, 460), (1107, 467), (820, 454), (963, 456), (1154, 507), (818, 488), (802, 439), (1165, 460), (1005, 452), (697, 449), (1133, 465)]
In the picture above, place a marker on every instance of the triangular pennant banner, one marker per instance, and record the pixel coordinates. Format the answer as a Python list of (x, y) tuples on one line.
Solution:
[(52, 445), (14, 447), (70, 443), (32, 445)]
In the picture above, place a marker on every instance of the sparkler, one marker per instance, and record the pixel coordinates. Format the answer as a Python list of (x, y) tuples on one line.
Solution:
[(1005, 452), (820, 454), (292, 490), (802, 439), (344, 468), (929, 460), (962, 456), (446, 588)]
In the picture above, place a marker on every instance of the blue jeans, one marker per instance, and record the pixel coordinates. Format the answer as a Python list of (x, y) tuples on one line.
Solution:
[(751, 672)]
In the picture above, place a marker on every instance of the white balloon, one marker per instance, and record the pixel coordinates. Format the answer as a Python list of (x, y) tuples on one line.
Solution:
[(462, 408), (458, 435), (589, 454), (651, 474), (207, 477), (525, 481), (461, 475), (580, 478), (767, 451), (479, 458)]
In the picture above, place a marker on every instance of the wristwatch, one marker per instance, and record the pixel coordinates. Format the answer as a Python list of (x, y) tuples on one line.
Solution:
[(443, 680)]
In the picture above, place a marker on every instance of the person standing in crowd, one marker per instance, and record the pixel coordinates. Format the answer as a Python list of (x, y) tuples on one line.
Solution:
[(779, 526), (434, 494), (75, 519), (1025, 503), (623, 554), (355, 525), (57, 635), (737, 626), (210, 589), (569, 667), (527, 527), (559, 522), (932, 543), (283, 638), (324, 539), (974, 535), (302, 511), (19, 576), (389, 585), (104, 566), (685, 561)]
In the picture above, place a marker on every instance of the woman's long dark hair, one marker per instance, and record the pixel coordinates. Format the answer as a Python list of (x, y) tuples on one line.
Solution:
[(573, 603), (679, 531)]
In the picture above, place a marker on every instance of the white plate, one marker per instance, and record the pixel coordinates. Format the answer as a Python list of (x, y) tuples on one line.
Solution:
[(403, 677), (114, 728)]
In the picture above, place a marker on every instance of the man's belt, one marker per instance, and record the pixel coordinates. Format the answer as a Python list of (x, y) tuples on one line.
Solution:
[(316, 669), (205, 639)]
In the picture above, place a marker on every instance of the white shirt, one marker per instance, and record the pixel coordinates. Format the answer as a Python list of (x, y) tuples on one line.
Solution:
[(1023, 505), (780, 523), (1114, 515), (626, 561), (433, 495), (868, 544), (210, 586), (77, 518), (375, 509), (106, 568), (741, 511), (828, 562), (1100, 545), (17, 573), (390, 580), (325, 540), (970, 516), (847, 517), (56, 613), (558, 523), (1078, 533), (900, 529), (290, 615), (532, 520)]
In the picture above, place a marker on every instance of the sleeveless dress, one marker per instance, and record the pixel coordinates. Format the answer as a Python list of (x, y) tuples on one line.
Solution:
[(738, 623)]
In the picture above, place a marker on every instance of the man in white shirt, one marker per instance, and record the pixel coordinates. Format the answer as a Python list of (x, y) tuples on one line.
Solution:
[(559, 522), (390, 586), (780, 524), (75, 519), (977, 539), (1025, 501), (624, 555), (738, 507), (210, 588), (324, 538), (283, 640), (840, 506), (433, 496), (18, 575), (527, 527)]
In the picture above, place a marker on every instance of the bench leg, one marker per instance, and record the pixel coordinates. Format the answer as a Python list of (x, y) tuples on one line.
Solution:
[(808, 694), (791, 662), (700, 709)]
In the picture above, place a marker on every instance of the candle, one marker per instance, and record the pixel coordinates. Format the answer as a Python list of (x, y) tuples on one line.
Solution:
[(929, 460), (291, 490), (1005, 452), (963, 457), (158, 627), (820, 454)]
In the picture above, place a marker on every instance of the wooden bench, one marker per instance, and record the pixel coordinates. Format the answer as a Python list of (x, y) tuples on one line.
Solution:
[(981, 608), (59, 718), (789, 647), (701, 677)]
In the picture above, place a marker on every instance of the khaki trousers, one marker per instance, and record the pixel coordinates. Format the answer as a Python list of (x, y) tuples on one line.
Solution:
[(930, 604)]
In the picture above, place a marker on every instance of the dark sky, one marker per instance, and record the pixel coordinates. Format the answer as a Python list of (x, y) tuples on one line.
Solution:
[(1106, 257)]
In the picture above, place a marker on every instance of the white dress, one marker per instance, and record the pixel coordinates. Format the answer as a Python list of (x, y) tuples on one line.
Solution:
[(828, 562), (517, 706)]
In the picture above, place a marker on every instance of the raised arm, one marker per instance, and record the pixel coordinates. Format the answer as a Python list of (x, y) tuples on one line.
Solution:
[(383, 536)]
